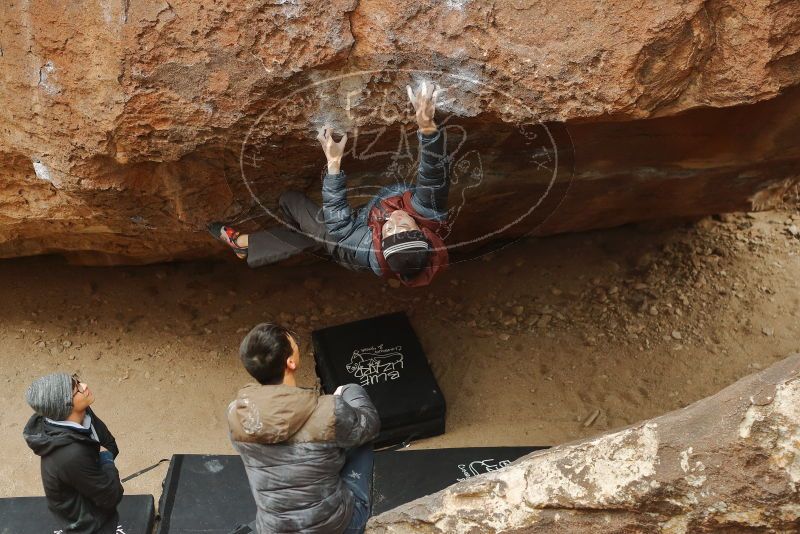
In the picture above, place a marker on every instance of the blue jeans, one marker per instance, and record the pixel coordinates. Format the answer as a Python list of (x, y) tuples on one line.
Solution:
[(357, 476)]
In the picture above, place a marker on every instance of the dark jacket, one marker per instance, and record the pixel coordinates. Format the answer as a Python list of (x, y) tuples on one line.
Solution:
[(80, 489), (292, 442), (351, 229)]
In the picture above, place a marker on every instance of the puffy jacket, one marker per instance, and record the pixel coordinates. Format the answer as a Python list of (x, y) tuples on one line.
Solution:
[(80, 488), (351, 229), (292, 442)]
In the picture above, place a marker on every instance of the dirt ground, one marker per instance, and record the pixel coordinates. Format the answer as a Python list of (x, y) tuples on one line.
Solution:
[(529, 345)]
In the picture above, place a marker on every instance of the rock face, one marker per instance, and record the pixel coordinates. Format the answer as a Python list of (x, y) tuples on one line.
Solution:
[(126, 126), (728, 463)]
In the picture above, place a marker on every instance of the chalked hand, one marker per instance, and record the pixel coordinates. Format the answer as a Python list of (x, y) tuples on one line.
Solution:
[(424, 102), (333, 150)]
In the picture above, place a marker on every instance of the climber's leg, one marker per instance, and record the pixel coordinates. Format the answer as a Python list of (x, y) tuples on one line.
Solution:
[(307, 216), (306, 232)]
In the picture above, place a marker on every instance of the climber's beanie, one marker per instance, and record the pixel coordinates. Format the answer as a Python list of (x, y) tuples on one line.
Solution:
[(407, 253), (51, 396)]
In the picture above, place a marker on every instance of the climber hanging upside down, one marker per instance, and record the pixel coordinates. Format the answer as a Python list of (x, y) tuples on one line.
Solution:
[(395, 234)]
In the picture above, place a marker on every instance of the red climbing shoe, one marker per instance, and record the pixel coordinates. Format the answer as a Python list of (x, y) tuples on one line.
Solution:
[(227, 235)]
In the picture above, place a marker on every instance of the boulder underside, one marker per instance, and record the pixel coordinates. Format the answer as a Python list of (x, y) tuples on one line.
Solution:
[(127, 126)]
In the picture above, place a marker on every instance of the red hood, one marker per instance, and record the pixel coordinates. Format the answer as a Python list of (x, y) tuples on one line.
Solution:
[(439, 258)]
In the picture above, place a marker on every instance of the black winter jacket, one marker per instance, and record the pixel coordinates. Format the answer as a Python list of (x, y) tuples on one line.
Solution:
[(79, 489)]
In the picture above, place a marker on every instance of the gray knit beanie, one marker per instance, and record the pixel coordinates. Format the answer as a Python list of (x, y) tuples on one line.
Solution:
[(51, 396)]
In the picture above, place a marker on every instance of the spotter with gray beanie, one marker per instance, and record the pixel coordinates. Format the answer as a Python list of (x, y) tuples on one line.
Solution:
[(77, 451), (395, 235)]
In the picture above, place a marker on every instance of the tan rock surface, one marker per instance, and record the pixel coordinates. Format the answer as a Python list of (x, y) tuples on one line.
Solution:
[(123, 122), (727, 463)]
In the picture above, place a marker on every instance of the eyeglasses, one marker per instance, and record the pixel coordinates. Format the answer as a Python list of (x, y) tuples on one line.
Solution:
[(77, 386)]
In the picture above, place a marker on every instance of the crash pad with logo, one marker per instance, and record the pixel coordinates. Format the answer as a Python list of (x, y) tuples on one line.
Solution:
[(404, 475), (384, 355)]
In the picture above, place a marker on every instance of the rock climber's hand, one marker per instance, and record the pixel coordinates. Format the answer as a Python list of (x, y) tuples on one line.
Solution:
[(333, 150), (424, 102)]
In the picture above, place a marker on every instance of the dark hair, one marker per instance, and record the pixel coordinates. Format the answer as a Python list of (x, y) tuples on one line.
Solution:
[(264, 351)]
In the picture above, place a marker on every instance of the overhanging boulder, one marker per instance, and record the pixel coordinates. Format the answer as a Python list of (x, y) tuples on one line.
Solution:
[(126, 126), (727, 463)]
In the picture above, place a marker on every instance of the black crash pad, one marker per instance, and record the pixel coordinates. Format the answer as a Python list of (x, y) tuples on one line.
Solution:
[(384, 355), (29, 515), (205, 493), (402, 476), (211, 494)]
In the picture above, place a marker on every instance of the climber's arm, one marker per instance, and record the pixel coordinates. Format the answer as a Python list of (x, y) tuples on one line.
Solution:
[(340, 220), (433, 185)]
